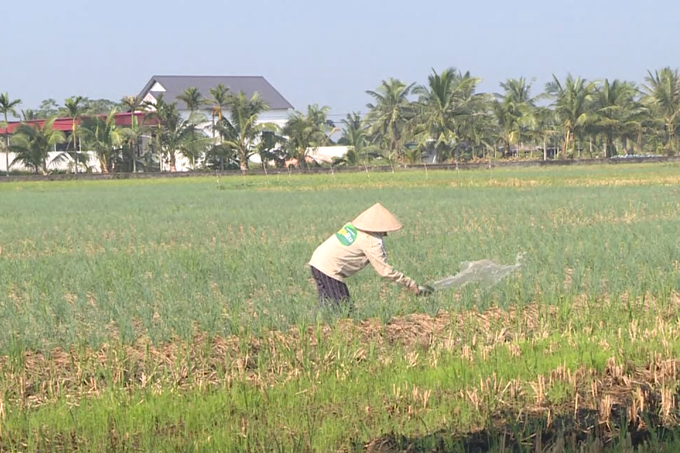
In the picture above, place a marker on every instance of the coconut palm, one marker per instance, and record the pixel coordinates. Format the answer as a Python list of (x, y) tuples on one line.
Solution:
[(472, 118), (75, 108), (8, 107), (196, 144), (355, 136), (437, 110), (178, 136), (271, 147), (479, 133), (619, 114), (662, 95), (514, 112), (545, 128), (132, 141), (32, 144), (509, 117), (132, 103), (390, 114), (241, 131), (442, 105), (157, 112), (193, 99), (518, 91), (218, 100), (307, 131), (572, 103), (300, 134), (104, 137), (318, 117)]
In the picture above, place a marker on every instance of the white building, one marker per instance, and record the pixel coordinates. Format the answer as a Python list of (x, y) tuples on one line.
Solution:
[(173, 86)]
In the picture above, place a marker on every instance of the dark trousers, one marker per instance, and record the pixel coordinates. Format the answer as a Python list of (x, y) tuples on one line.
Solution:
[(331, 291)]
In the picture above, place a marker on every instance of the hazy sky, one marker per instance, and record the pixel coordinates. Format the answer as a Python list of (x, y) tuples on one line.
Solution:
[(327, 53)]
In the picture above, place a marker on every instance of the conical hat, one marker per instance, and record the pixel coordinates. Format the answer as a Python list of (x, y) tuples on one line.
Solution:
[(376, 219)]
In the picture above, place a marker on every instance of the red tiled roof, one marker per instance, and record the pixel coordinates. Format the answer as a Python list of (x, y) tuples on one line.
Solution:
[(66, 124)]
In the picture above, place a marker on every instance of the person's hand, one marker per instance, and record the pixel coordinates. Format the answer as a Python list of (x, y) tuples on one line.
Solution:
[(424, 290)]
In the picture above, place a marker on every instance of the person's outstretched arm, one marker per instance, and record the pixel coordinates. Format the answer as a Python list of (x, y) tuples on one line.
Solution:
[(375, 252)]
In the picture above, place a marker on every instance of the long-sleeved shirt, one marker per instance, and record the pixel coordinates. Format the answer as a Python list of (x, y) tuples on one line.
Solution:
[(350, 250)]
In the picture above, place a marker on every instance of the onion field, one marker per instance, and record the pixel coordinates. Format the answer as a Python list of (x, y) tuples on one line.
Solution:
[(180, 315)]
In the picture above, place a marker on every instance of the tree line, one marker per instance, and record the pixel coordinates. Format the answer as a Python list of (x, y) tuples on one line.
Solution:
[(447, 118)]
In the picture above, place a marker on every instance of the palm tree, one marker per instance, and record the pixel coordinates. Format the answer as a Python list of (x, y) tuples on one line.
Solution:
[(390, 114), (318, 118), (133, 104), (514, 111), (572, 102), (545, 128), (518, 91), (270, 147), (436, 114), (194, 101), (219, 101), (355, 137), (157, 112), (29, 115), (192, 98), (350, 159), (132, 138), (241, 130), (307, 131), (479, 133), (75, 109), (196, 144), (178, 135), (662, 95), (300, 133), (618, 112), (32, 144), (104, 137), (8, 107), (443, 103), (509, 119)]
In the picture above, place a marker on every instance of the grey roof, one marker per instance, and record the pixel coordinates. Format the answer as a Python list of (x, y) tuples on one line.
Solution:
[(175, 85)]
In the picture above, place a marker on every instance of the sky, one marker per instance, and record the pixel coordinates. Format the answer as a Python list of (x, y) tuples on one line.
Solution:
[(326, 53)]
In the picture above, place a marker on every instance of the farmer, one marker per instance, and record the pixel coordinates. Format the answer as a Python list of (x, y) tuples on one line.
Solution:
[(351, 249)]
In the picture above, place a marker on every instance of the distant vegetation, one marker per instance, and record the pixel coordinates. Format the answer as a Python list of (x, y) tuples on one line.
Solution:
[(445, 120)]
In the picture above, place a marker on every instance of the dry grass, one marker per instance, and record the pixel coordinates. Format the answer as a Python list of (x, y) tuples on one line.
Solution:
[(38, 378)]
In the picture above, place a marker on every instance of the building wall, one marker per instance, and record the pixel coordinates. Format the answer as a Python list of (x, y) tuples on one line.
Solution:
[(93, 163), (321, 155), (278, 117)]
